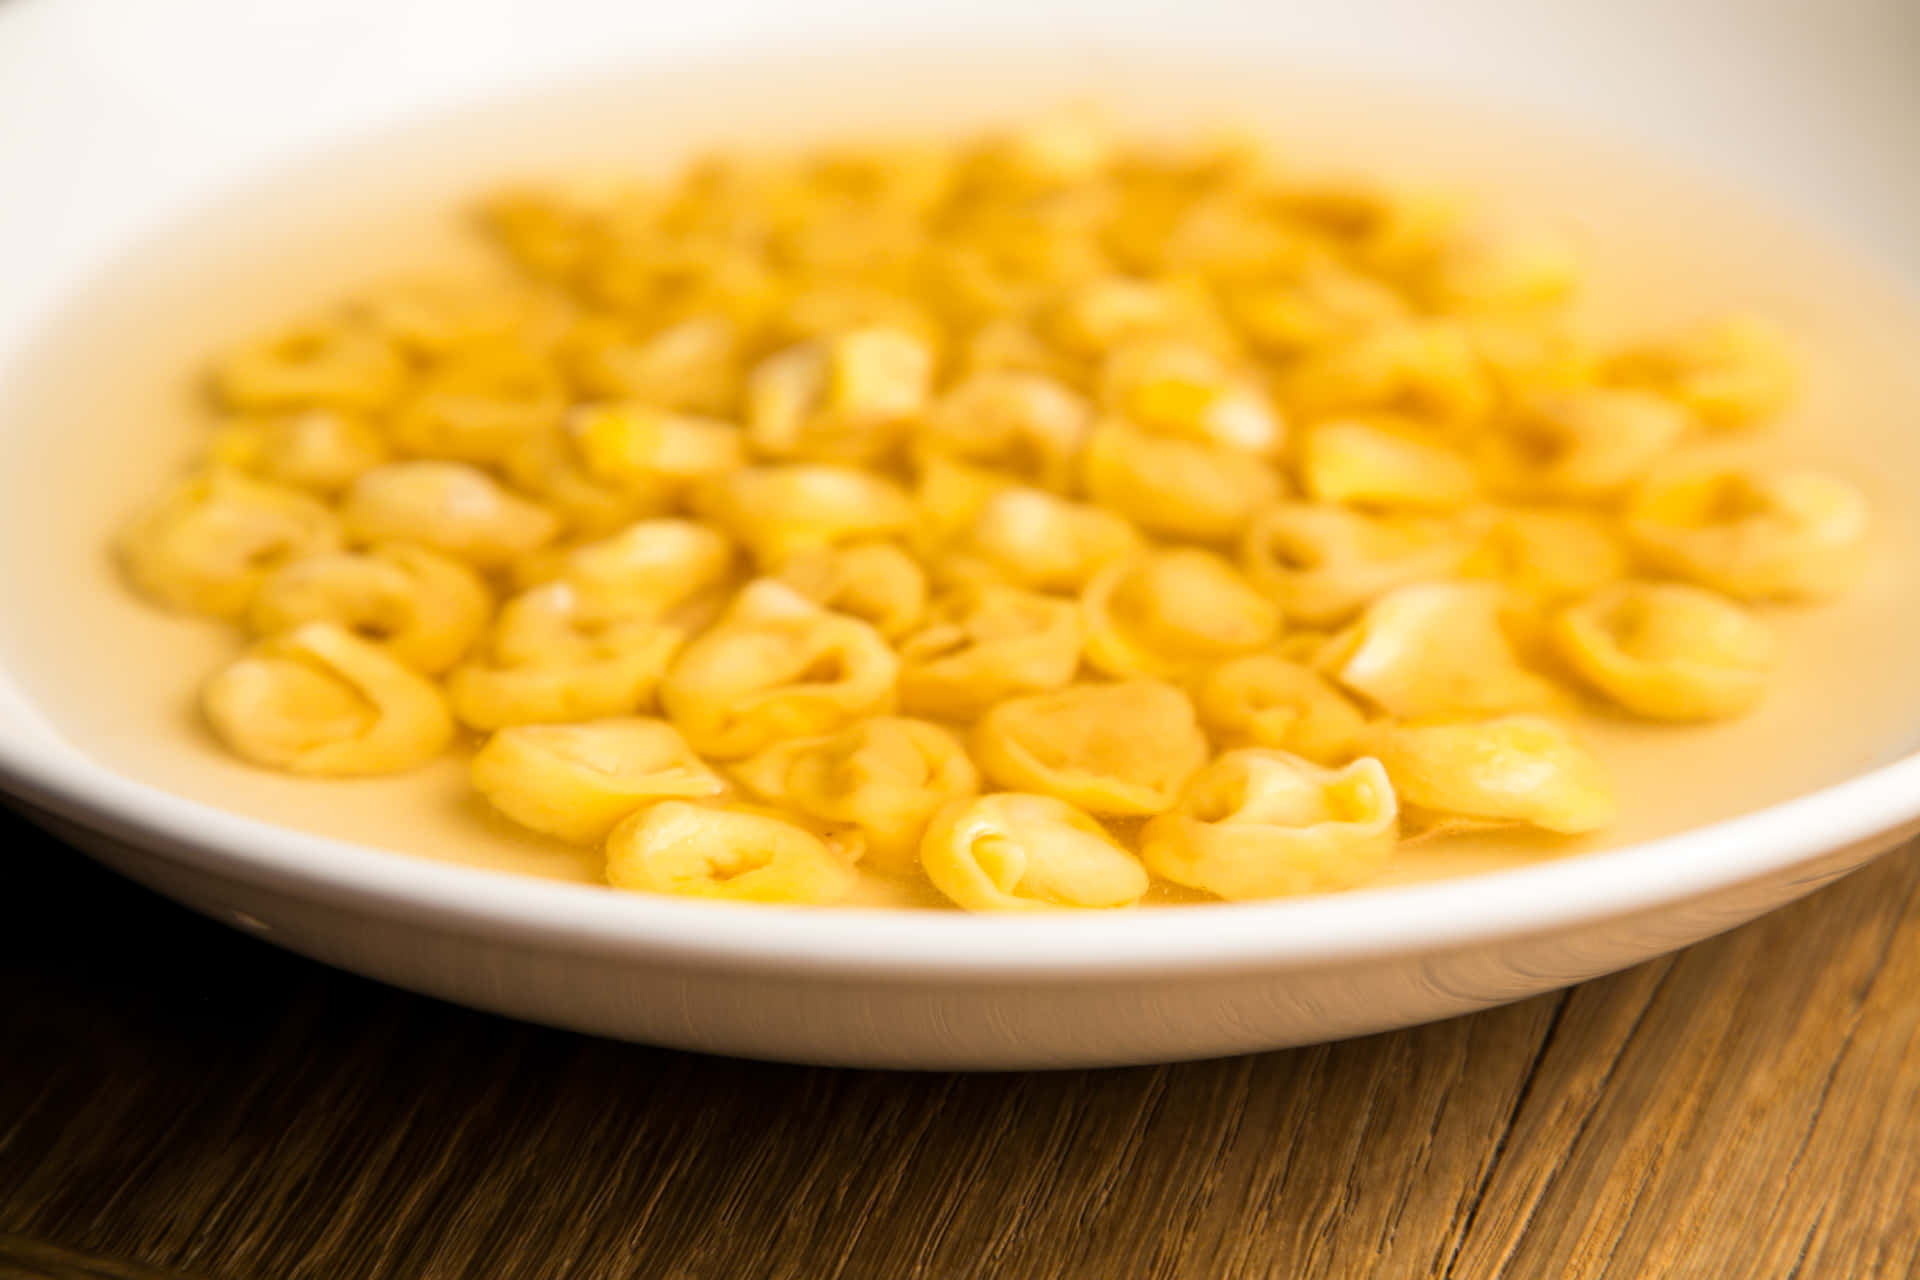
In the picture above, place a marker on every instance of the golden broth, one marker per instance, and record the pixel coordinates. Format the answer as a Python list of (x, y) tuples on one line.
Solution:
[(108, 407)]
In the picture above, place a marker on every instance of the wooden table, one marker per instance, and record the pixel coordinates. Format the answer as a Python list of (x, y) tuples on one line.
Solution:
[(180, 1100)]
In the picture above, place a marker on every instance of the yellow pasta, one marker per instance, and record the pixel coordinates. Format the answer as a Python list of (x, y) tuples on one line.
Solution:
[(1032, 538), (1170, 613), (701, 851), (1428, 369), (1736, 373), (319, 450), (650, 569), (1500, 275), (776, 666), (1439, 650), (848, 398), (1124, 749), (1182, 389), (1547, 553), (552, 658), (691, 367), (1101, 314), (325, 365), (886, 776), (1238, 524), (1321, 563), (450, 507), (1269, 700), (1019, 852), (1581, 445), (1264, 824), (576, 781), (1751, 534), (1667, 652), (480, 405), (630, 444), (430, 316), (985, 642), (419, 606), (876, 582), (1173, 487), (1384, 462), (208, 544), (1014, 420), (779, 511), (1514, 769), (1323, 304), (319, 700)]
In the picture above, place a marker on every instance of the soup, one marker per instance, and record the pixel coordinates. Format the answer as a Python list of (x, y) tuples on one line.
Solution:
[(283, 251)]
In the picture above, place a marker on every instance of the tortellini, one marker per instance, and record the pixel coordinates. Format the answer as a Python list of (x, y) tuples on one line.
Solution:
[(1021, 852), (1268, 700), (552, 658), (876, 582), (779, 511), (1666, 651), (1322, 304), (1548, 553), (1751, 534), (1582, 445), (575, 781), (847, 398), (319, 700), (319, 450), (1124, 749), (1512, 769), (1183, 389), (451, 507), (702, 851), (324, 365), (691, 367), (986, 642), (1383, 462), (886, 776), (1439, 650), (1227, 526), (1427, 369), (651, 569), (775, 666), (430, 316), (1032, 538), (1170, 613), (1264, 824), (210, 542), (480, 405), (1173, 487), (1021, 422), (1321, 563), (634, 445), (1732, 374), (419, 606)]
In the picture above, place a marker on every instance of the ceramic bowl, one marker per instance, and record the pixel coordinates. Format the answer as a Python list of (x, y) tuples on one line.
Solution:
[(145, 118)]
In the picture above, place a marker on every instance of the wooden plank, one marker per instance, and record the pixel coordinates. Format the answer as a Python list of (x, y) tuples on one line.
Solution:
[(187, 1099), (24, 1259)]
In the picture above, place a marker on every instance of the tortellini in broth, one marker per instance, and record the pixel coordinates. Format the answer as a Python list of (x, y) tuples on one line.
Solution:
[(1262, 824), (774, 666), (1119, 749), (1020, 520)]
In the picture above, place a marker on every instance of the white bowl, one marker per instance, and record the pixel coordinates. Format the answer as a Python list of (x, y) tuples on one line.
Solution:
[(141, 112)]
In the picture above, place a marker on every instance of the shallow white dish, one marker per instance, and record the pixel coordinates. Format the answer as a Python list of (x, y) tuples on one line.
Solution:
[(139, 115)]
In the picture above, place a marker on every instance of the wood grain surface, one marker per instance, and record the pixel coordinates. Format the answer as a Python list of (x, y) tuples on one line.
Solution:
[(182, 1101)]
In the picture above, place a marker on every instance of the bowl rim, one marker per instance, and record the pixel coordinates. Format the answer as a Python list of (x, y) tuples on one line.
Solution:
[(1357, 926), (1350, 927)]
